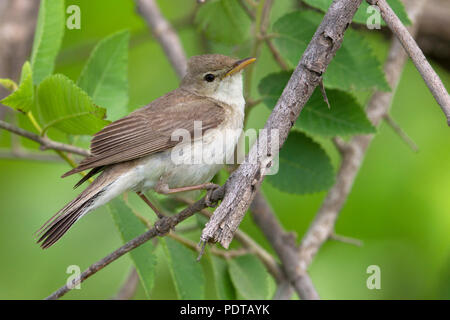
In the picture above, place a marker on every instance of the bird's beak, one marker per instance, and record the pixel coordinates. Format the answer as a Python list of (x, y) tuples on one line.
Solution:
[(239, 65)]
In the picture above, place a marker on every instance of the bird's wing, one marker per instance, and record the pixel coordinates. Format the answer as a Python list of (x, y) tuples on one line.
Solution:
[(148, 130)]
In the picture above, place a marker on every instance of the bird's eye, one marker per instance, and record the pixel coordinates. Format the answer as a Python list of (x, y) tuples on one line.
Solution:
[(209, 77)]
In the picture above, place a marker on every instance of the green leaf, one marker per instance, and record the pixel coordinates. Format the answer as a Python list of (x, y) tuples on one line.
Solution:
[(105, 75), (304, 166), (224, 21), (65, 106), (354, 66), (346, 116), (48, 38), (23, 98), (8, 84), (187, 273), (249, 277), (129, 227), (222, 279), (361, 15)]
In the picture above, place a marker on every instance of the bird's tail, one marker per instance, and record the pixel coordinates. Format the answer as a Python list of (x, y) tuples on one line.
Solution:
[(92, 197)]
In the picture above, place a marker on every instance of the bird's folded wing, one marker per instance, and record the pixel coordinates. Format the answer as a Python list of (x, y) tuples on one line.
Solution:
[(149, 130)]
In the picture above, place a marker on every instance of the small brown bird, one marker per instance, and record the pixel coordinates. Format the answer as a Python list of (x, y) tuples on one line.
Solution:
[(142, 150)]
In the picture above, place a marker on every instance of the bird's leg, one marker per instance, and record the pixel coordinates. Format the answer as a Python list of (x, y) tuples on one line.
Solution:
[(151, 205), (163, 188)]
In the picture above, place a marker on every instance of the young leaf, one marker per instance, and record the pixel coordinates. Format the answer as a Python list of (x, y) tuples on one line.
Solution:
[(65, 106), (224, 21), (130, 227), (105, 75), (304, 166), (346, 116), (361, 15), (353, 67), (222, 280), (187, 273), (48, 38), (23, 98), (249, 277)]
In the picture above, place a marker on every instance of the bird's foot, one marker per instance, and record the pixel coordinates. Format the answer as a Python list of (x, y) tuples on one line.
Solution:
[(209, 192)]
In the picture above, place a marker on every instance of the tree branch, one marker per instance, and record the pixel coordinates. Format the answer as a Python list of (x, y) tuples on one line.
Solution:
[(430, 77), (45, 142), (245, 181), (284, 245), (161, 228), (164, 33), (322, 227)]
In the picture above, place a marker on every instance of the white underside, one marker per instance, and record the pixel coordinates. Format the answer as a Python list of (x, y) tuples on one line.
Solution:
[(209, 156)]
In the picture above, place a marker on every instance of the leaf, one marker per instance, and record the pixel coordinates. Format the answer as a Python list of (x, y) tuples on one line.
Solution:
[(129, 227), (22, 99), (8, 84), (346, 116), (65, 106), (187, 273), (48, 38), (223, 21), (249, 277), (361, 15), (222, 279), (304, 166), (353, 67), (105, 75)]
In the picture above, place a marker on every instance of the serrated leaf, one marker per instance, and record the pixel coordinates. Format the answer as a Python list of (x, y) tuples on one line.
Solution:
[(129, 227), (9, 84), (187, 273), (346, 116), (353, 67), (223, 21), (105, 75), (63, 105), (249, 277), (48, 38), (304, 166), (22, 99), (361, 15), (222, 279)]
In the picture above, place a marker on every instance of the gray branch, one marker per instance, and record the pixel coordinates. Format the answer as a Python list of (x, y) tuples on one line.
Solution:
[(245, 181), (353, 154), (430, 77)]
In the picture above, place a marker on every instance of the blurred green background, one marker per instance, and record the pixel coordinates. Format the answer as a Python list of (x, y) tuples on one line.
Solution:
[(399, 206)]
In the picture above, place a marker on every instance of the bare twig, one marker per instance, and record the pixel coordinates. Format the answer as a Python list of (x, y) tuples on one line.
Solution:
[(430, 77), (161, 228), (284, 245), (353, 153), (43, 141), (128, 289), (401, 133), (344, 239), (28, 155), (245, 181), (164, 33)]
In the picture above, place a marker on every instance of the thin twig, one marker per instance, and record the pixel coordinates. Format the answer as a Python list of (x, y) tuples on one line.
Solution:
[(43, 141), (128, 289), (430, 77), (28, 155), (344, 239)]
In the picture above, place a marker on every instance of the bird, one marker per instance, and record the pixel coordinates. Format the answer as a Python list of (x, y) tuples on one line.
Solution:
[(176, 143)]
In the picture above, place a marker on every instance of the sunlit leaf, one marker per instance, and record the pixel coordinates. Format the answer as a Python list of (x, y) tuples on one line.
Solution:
[(23, 98), (105, 75)]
